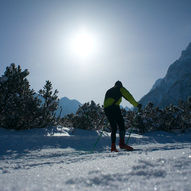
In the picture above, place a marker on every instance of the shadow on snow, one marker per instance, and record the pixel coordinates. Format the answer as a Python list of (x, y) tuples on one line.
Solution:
[(19, 143)]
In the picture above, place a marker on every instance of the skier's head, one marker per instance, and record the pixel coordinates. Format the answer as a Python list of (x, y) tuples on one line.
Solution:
[(118, 84)]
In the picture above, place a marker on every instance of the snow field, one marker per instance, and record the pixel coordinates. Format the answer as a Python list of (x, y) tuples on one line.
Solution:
[(161, 161)]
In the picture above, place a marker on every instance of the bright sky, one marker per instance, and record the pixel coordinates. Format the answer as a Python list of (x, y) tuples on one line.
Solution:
[(84, 46)]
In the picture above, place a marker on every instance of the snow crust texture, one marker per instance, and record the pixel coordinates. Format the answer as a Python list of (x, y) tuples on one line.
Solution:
[(65, 160)]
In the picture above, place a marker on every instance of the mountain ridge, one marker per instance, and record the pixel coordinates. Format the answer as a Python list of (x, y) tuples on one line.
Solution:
[(68, 106), (175, 86)]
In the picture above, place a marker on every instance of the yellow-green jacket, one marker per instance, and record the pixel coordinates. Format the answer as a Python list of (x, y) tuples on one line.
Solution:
[(114, 97)]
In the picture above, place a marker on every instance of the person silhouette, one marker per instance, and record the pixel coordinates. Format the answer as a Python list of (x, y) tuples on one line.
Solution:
[(113, 98)]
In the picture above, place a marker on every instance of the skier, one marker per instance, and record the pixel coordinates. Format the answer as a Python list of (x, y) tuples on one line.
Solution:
[(113, 98)]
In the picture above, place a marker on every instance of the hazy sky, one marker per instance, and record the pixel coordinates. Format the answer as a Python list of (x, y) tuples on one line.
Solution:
[(134, 41)]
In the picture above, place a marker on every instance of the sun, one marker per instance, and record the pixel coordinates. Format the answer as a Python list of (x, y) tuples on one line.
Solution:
[(83, 44)]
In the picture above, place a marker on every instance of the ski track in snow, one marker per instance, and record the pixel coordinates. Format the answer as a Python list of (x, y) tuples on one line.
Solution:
[(35, 162)]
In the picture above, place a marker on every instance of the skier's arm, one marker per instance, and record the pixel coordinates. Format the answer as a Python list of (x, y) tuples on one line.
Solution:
[(126, 94)]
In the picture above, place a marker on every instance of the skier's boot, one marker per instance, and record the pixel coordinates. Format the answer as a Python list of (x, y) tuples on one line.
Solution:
[(124, 146), (113, 148)]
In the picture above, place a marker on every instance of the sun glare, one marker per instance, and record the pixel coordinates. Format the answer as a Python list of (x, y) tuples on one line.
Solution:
[(83, 44)]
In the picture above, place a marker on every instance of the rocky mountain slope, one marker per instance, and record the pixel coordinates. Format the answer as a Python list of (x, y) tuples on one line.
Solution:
[(68, 106), (175, 86)]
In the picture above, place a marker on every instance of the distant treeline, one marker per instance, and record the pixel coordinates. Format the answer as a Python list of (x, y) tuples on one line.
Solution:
[(150, 118), (23, 108)]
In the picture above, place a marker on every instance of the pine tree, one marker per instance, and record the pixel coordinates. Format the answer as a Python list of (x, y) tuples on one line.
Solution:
[(89, 116), (19, 109), (50, 104)]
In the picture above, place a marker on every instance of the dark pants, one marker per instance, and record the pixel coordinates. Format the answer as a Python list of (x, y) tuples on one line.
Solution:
[(115, 118)]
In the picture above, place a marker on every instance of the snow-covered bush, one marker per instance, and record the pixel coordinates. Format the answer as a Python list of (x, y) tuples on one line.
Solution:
[(91, 116), (170, 118), (88, 116)]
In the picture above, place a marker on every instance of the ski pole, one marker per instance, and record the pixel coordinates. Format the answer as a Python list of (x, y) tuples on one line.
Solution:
[(132, 128), (129, 136), (97, 140)]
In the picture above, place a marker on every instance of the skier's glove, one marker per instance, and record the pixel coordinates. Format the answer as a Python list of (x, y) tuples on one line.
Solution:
[(139, 106)]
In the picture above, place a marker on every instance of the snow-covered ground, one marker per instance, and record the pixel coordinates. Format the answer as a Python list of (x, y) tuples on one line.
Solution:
[(66, 160)]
